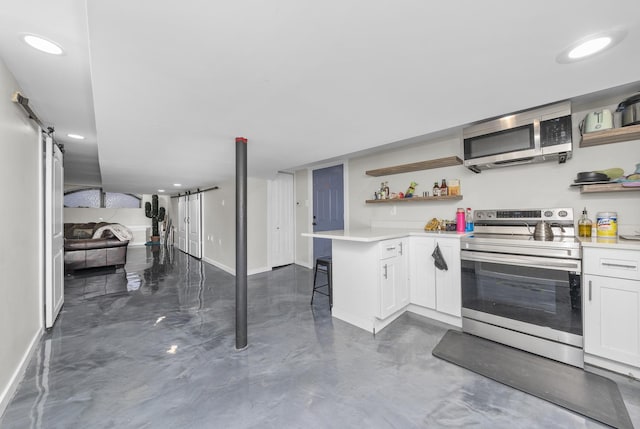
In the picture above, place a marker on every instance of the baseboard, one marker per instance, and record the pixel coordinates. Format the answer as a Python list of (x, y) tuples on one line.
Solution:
[(610, 365), (18, 374), (258, 270), (217, 264), (435, 315), (306, 264), (232, 271)]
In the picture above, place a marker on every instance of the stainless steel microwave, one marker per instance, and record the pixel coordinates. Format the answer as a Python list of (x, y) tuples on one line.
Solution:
[(537, 135)]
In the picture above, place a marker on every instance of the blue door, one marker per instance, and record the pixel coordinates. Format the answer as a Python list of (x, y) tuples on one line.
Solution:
[(328, 206)]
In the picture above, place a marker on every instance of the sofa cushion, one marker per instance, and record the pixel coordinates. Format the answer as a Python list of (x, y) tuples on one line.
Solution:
[(93, 243)]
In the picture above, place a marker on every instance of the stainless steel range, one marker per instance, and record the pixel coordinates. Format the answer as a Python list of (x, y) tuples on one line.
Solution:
[(524, 291)]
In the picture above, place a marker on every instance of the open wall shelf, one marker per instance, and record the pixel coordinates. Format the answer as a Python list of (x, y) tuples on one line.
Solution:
[(614, 135), (415, 166), (607, 187), (413, 199)]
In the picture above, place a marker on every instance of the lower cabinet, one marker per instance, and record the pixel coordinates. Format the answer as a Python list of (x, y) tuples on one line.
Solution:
[(612, 309), (393, 286), (374, 282), (429, 286), (370, 282)]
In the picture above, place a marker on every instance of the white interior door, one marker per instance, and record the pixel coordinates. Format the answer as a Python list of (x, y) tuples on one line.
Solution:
[(182, 223), (282, 235), (194, 225), (54, 232)]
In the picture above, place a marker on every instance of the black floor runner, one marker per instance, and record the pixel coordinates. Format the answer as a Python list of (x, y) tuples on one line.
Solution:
[(580, 391)]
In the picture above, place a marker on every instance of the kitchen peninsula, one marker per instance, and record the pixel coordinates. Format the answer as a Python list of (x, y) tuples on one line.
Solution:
[(379, 273)]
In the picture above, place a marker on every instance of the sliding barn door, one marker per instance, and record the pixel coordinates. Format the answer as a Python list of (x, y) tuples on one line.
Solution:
[(54, 232), (195, 225), (182, 223)]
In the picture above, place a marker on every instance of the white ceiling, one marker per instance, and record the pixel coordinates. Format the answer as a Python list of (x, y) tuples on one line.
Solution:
[(161, 88)]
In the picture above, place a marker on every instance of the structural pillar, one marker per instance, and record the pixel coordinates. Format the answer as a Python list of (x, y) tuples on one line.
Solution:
[(241, 243)]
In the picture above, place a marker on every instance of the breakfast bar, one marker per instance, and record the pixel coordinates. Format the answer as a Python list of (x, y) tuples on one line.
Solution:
[(379, 273)]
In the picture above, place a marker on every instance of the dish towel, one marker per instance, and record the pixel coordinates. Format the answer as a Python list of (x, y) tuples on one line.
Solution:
[(438, 259)]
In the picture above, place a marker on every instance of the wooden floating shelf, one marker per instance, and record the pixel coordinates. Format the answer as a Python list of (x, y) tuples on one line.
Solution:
[(414, 199), (415, 166), (615, 135), (607, 187)]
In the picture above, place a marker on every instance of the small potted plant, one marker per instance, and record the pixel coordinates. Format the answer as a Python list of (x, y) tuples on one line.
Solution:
[(156, 215)]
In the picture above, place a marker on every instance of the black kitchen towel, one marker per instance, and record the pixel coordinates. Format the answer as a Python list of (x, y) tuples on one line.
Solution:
[(438, 259)]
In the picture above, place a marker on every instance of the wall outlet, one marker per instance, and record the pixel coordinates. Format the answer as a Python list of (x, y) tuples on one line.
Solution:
[(394, 210)]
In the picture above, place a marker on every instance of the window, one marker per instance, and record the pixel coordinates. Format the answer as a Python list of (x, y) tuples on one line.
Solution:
[(95, 198)]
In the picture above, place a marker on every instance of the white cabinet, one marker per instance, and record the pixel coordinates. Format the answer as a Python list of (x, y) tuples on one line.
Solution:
[(370, 281), (611, 285), (431, 287), (393, 289)]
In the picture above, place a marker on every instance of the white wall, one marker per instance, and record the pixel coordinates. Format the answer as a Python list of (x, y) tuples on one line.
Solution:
[(219, 226), (20, 279), (134, 219), (528, 186), (302, 218)]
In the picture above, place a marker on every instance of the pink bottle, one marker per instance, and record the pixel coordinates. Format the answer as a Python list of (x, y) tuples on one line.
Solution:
[(460, 220)]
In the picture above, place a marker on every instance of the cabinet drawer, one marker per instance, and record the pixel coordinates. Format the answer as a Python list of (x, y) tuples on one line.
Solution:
[(624, 264), (390, 248)]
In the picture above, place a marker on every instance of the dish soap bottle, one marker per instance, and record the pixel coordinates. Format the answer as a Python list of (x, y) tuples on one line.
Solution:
[(584, 225)]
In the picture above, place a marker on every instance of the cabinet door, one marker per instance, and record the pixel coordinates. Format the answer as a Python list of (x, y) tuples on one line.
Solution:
[(389, 272), (448, 288), (402, 285), (422, 272), (612, 318)]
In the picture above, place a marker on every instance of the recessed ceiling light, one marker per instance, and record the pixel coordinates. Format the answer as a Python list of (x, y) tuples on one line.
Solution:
[(160, 190), (75, 136), (591, 45), (42, 44), (177, 185)]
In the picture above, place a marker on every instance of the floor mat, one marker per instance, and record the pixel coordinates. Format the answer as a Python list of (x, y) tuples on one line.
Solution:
[(580, 391)]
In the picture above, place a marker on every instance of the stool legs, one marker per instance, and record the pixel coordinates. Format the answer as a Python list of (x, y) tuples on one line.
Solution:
[(315, 274), (328, 270)]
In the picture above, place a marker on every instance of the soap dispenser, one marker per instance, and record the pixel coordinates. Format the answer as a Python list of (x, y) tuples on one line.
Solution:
[(584, 225)]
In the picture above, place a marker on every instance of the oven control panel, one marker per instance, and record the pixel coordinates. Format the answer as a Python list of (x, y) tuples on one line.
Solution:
[(498, 216)]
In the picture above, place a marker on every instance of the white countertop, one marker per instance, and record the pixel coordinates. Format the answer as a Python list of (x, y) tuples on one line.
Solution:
[(368, 235), (609, 243)]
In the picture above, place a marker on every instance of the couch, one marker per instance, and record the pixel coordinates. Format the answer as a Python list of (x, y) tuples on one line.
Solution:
[(94, 245)]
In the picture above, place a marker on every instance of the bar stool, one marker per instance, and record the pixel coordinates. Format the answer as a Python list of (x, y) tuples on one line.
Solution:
[(323, 264)]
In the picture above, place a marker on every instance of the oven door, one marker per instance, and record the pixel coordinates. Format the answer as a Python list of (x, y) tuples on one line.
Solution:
[(535, 295)]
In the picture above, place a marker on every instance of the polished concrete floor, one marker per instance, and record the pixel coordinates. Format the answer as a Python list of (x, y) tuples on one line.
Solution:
[(153, 346)]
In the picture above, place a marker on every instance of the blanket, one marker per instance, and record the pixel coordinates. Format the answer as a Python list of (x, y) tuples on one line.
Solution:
[(121, 232)]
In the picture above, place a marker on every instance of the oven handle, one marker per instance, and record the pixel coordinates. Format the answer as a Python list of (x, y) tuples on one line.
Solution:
[(526, 261)]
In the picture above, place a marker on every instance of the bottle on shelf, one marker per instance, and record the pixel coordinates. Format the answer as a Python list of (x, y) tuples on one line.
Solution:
[(469, 221), (386, 190), (382, 194), (584, 225), (460, 220), (436, 189), (444, 191)]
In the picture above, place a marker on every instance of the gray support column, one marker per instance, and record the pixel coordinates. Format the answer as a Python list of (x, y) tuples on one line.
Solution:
[(241, 243)]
